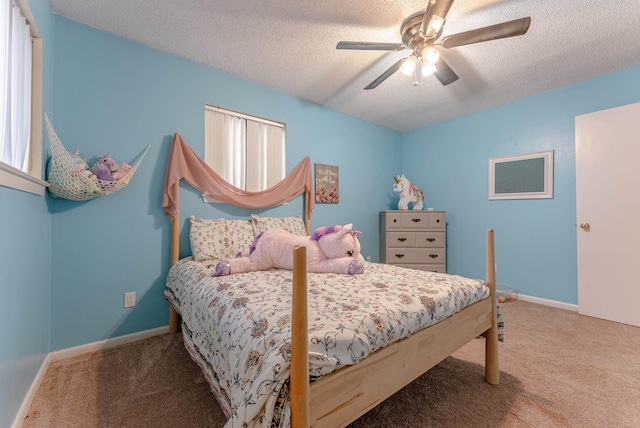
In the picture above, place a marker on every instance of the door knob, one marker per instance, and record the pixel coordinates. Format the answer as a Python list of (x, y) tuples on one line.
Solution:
[(585, 226)]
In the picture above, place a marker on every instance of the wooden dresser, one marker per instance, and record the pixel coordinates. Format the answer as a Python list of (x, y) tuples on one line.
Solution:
[(414, 239)]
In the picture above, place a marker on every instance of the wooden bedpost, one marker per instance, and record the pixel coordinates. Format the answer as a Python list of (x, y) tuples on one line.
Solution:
[(174, 320), (491, 365), (299, 395), (307, 223)]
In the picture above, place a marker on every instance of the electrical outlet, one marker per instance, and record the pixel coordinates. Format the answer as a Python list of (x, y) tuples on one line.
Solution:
[(130, 299), (368, 258), (496, 267)]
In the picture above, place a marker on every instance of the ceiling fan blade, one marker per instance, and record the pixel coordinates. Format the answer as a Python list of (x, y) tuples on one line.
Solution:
[(371, 46), (439, 9), (442, 7), (444, 73), (516, 27), (395, 67)]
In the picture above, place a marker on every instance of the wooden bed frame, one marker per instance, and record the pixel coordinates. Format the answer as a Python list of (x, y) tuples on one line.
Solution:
[(341, 397)]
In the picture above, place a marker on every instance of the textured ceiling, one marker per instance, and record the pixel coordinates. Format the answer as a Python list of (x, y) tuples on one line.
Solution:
[(291, 46)]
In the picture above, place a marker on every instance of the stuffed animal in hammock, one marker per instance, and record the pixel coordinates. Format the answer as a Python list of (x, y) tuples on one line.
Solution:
[(104, 168), (122, 171), (333, 249)]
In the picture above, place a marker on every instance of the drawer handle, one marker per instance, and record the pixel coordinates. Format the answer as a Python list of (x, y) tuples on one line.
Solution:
[(399, 256), (402, 239), (431, 239), (433, 256), (416, 220), (394, 220), (438, 220)]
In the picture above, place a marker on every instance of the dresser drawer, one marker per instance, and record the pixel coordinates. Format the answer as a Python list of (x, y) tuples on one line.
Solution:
[(415, 255), (408, 220), (436, 221), (415, 220), (430, 239), (401, 239)]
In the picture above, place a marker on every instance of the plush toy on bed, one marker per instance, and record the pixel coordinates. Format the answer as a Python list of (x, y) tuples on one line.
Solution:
[(333, 249)]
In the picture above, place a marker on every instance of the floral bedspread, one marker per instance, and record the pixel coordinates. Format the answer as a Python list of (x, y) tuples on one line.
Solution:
[(238, 327)]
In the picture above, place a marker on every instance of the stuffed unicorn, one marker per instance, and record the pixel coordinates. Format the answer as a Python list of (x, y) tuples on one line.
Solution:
[(408, 193), (104, 168), (333, 249)]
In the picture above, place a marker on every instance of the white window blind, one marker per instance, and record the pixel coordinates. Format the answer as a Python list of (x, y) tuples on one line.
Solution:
[(20, 98), (15, 79), (247, 151)]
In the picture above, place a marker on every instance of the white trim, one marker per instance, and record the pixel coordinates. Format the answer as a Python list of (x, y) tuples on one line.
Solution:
[(16, 179), (35, 149), (546, 302), (31, 393), (107, 343)]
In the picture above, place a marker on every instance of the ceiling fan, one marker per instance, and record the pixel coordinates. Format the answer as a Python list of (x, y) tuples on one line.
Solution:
[(421, 33)]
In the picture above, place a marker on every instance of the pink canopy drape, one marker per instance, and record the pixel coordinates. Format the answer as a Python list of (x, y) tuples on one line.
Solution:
[(185, 164)]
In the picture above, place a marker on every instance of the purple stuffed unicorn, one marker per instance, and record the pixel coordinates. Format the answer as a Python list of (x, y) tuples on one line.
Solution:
[(104, 168), (333, 249)]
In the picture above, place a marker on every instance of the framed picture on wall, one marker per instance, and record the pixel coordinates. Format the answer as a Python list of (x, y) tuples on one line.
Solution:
[(526, 176), (327, 184)]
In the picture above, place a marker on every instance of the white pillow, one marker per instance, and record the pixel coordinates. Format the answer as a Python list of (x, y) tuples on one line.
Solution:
[(219, 239), (293, 224)]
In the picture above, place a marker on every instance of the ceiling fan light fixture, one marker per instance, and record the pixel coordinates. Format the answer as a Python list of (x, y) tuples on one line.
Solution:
[(430, 56), (428, 69), (409, 65), (434, 26)]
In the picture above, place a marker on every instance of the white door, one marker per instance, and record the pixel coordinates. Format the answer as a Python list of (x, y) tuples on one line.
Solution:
[(608, 213)]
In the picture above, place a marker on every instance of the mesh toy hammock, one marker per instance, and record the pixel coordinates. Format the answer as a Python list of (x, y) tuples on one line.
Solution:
[(67, 180)]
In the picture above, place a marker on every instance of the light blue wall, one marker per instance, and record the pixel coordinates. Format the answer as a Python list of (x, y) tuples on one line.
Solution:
[(25, 266), (114, 95), (66, 265), (535, 239)]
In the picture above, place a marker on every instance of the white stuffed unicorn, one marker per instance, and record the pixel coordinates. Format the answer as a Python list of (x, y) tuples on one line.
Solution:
[(333, 249), (408, 194)]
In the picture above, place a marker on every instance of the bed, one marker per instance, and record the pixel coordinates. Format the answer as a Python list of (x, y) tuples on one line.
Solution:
[(290, 348)]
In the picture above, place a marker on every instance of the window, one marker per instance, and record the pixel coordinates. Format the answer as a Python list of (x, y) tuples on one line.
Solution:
[(20, 98), (247, 151)]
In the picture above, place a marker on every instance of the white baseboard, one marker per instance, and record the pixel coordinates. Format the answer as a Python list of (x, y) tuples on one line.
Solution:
[(546, 302), (72, 352), (107, 343), (31, 393)]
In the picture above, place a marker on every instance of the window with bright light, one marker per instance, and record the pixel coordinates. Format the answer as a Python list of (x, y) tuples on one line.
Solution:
[(247, 151), (20, 98)]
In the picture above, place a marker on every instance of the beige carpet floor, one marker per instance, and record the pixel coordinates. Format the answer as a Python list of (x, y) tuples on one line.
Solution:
[(558, 369)]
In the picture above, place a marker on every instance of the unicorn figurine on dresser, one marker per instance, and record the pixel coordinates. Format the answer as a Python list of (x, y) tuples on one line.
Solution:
[(408, 194)]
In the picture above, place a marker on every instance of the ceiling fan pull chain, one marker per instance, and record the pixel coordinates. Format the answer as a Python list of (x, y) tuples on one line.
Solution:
[(418, 72)]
